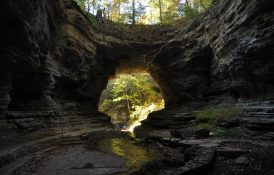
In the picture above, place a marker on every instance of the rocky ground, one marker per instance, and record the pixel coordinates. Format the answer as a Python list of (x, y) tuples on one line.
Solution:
[(159, 154), (105, 156), (72, 160), (213, 156)]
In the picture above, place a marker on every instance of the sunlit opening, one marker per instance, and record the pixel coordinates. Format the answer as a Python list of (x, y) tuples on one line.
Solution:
[(129, 98)]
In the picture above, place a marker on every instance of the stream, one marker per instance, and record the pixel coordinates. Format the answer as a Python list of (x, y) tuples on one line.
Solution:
[(108, 156)]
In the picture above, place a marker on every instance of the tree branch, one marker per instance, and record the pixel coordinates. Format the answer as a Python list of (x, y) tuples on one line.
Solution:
[(202, 4)]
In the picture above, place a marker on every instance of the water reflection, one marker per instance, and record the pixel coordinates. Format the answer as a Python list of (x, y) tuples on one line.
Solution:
[(135, 155)]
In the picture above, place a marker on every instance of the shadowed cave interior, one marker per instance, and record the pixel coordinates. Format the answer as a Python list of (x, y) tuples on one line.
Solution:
[(210, 80)]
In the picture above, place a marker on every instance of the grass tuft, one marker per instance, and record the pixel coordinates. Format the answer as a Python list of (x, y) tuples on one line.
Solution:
[(211, 115), (207, 119)]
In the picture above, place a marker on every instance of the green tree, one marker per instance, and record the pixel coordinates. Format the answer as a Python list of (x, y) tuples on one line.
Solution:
[(133, 12), (133, 93), (82, 4), (160, 11), (146, 12)]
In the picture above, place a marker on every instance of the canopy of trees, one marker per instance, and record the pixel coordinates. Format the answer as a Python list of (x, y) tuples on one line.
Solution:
[(145, 11), (134, 95)]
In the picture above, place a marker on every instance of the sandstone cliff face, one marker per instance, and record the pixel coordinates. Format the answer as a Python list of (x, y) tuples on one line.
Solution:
[(54, 65), (226, 53), (241, 35), (223, 57), (51, 79)]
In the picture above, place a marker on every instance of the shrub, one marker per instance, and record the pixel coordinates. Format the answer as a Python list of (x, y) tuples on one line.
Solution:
[(212, 114), (220, 132), (208, 117), (210, 127)]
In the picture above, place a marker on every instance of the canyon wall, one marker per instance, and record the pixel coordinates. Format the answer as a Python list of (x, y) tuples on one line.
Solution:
[(51, 79), (55, 64), (226, 54), (223, 57)]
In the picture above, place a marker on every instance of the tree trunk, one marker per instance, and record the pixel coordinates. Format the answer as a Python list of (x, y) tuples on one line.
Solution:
[(160, 11), (133, 12), (93, 4), (202, 4), (88, 7), (119, 10), (128, 103)]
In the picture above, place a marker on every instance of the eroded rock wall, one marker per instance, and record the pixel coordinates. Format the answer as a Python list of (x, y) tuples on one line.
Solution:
[(51, 79), (225, 55), (222, 57), (241, 35), (54, 65)]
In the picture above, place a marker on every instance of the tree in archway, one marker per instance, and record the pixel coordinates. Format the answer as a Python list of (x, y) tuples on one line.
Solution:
[(133, 93)]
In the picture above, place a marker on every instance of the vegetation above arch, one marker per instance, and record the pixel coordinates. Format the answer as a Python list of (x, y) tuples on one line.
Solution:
[(146, 11)]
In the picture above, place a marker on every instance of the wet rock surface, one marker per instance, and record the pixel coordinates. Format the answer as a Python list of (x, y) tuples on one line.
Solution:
[(214, 156), (73, 160), (105, 156), (159, 154)]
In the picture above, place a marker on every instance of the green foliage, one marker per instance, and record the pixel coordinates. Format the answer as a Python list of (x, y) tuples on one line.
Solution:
[(146, 12), (208, 117), (190, 12), (220, 132), (208, 126), (136, 94), (82, 4), (211, 115)]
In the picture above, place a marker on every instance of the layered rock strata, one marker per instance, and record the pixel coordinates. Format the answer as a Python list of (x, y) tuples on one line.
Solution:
[(54, 66)]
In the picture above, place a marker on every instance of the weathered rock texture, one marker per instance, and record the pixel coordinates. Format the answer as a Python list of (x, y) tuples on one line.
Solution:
[(51, 79), (54, 65), (223, 57)]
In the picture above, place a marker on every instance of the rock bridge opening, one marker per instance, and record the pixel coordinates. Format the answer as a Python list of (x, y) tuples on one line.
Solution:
[(129, 98)]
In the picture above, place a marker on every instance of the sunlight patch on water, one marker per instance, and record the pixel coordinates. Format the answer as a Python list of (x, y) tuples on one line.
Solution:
[(134, 155)]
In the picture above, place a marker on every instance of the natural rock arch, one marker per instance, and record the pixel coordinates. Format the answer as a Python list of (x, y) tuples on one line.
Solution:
[(224, 55), (165, 67)]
